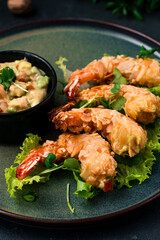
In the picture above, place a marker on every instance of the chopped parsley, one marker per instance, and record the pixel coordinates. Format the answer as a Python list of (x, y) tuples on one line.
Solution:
[(91, 102), (29, 195), (118, 78), (49, 160), (7, 75), (116, 88), (119, 103), (144, 53)]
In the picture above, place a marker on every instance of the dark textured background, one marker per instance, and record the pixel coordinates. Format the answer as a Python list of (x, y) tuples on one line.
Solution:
[(141, 224)]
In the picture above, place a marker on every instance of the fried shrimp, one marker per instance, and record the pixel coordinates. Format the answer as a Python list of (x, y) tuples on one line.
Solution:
[(97, 161), (125, 135), (141, 105), (142, 72)]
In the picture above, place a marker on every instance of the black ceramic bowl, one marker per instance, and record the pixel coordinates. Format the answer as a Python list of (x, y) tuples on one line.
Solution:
[(14, 126)]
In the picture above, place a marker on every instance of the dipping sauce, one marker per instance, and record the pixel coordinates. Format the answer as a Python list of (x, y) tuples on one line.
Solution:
[(22, 86)]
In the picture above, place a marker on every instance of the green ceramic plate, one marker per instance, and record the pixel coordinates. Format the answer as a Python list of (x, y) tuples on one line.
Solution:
[(80, 42)]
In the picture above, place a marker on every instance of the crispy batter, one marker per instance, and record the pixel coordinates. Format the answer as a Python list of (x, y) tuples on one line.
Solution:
[(142, 72), (124, 134), (97, 162), (141, 105)]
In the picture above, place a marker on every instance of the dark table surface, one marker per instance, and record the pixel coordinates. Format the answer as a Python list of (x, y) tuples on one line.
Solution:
[(140, 224)]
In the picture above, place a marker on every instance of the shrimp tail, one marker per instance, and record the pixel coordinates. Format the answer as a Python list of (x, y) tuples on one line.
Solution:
[(72, 88), (79, 77), (54, 112), (97, 161), (28, 165), (39, 155), (142, 72)]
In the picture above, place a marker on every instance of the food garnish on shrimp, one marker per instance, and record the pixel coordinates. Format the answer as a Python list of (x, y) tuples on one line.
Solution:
[(124, 134), (142, 72), (97, 161), (141, 105)]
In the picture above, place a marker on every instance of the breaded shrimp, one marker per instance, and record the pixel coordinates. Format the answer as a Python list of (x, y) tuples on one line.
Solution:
[(141, 105), (142, 72), (124, 134), (97, 162)]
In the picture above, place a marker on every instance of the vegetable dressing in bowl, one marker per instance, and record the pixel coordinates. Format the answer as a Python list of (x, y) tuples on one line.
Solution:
[(27, 87), (22, 86)]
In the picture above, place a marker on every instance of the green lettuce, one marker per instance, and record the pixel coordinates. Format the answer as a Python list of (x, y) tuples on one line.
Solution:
[(63, 67), (129, 170), (139, 168), (153, 134), (30, 142), (84, 189), (155, 90)]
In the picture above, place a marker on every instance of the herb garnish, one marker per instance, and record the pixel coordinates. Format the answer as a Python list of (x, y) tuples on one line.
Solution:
[(118, 78), (49, 160), (105, 103), (106, 55), (144, 53), (29, 195), (68, 200), (116, 104), (80, 103), (135, 8), (119, 103), (92, 101), (116, 88), (71, 164), (118, 53), (7, 75)]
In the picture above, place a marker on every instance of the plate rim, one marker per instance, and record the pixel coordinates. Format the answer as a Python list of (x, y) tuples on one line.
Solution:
[(60, 21), (27, 220), (65, 222)]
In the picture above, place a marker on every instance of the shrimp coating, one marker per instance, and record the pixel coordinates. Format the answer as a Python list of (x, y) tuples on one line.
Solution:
[(142, 72), (141, 105), (97, 162), (125, 135)]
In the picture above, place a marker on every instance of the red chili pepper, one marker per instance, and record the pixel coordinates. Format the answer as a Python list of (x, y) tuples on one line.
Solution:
[(108, 186)]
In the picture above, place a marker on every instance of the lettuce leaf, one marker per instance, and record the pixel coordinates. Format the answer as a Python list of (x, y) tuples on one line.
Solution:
[(139, 172), (153, 134), (30, 142), (84, 189), (139, 167), (155, 90), (63, 67), (16, 184), (67, 73)]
